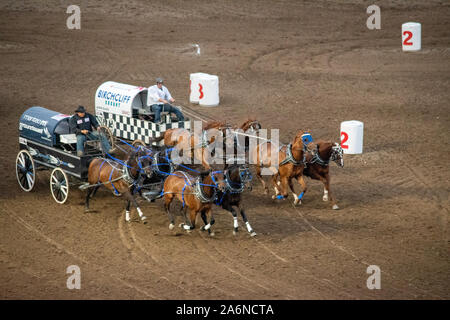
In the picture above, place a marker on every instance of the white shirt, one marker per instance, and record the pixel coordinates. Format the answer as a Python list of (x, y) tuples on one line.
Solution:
[(154, 94)]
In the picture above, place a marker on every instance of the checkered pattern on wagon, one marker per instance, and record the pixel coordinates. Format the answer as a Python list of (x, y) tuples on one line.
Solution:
[(132, 129)]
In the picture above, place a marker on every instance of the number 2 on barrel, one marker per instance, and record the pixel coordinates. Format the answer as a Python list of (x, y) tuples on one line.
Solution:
[(409, 35), (344, 140)]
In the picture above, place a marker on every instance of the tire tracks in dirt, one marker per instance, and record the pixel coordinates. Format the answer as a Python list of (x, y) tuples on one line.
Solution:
[(62, 248)]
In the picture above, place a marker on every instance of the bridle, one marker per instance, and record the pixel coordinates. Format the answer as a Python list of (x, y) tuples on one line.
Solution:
[(337, 155), (244, 175)]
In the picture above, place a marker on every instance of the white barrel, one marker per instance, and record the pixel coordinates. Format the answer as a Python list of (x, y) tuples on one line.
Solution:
[(352, 133), (194, 89), (209, 90), (411, 36)]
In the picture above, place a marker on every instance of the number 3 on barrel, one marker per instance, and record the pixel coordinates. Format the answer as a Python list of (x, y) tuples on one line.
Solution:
[(408, 35), (344, 138)]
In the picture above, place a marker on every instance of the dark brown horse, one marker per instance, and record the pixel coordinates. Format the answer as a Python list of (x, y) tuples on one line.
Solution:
[(197, 195), (317, 167), (236, 177), (121, 177), (288, 165)]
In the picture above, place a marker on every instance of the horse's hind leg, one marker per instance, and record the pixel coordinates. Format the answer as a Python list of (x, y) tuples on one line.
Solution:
[(276, 185), (260, 178), (247, 223), (205, 213), (296, 198), (86, 203), (130, 197), (95, 191), (168, 197), (127, 211)]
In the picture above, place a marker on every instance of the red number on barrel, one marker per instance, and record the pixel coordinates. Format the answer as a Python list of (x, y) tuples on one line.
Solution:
[(344, 140), (200, 90), (409, 36)]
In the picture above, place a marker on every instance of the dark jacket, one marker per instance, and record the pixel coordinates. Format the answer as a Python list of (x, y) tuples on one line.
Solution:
[(88, 122)]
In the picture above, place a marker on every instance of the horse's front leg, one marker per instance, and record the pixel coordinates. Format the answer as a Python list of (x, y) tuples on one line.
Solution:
[(130, 197), (327, 192), (302, 182), (247, 223), (230, 208)]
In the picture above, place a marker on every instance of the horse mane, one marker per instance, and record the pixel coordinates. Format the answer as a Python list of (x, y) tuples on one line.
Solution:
[(246, 123), (213, 124)]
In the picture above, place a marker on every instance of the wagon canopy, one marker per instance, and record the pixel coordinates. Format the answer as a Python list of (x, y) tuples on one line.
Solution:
[(119, 98), (41, 125)]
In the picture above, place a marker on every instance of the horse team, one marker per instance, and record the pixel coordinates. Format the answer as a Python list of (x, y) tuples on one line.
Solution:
[(198, 190)]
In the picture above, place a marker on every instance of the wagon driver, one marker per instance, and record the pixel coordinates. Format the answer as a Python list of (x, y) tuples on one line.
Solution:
[(158, 99), (86, 127)]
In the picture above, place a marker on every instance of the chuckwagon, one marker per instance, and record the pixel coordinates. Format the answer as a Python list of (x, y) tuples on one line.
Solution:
[(123, 109), (45, 142)]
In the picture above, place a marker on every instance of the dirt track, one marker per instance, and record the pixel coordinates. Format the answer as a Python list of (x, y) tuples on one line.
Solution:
[(289, 66)]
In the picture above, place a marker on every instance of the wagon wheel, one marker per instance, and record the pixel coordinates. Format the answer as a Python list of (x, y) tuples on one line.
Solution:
[(108, 134), (25, 170), (138, 142), (59, 185)]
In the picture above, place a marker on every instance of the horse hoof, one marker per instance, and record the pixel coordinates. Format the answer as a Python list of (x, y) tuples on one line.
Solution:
[(253, 234), (325, 198), (86, 209), (212, 234), (171, 226), (335, 207), (181, 225), (235, 233)]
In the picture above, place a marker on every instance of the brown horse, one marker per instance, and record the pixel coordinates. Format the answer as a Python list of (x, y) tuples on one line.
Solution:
[(290, 164), (183, 140), (195, 194), (250, 125), (317, 167), (120, 177), (232, 135)]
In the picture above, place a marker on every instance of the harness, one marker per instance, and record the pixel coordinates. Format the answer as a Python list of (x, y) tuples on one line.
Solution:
[(229, 187), (290, 158), (229, 184), (200, 194), (156, 164), (317, 159), (306, 139)]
